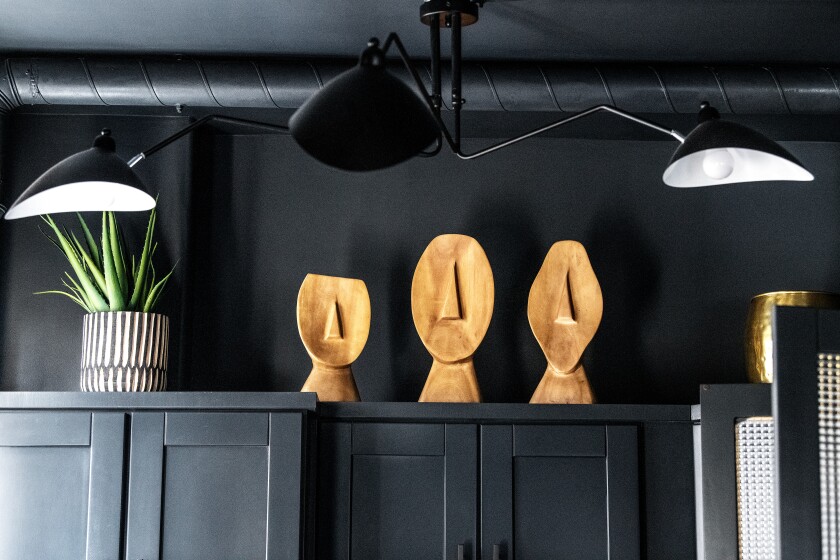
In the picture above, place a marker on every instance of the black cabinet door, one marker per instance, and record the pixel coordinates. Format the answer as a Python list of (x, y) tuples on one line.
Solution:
[(61, 485), (552, 492), (397, 490), (215, 486)]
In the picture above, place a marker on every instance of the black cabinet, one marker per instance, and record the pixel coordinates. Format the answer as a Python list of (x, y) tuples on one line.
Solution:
[(153, 477), (216, 476), (417, 488)]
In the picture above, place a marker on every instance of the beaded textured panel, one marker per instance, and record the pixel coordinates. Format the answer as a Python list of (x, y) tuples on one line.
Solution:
[(829, 418), (755, 467)]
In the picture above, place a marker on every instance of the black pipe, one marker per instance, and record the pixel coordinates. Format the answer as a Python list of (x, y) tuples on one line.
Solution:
[(490, 86)]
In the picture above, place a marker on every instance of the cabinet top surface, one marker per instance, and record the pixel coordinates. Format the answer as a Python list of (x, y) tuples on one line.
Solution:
[(504, 412), (364, 411), (172, 400)]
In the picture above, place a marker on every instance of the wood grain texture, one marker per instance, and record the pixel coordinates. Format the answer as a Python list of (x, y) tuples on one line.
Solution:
[(563, 388), (333, 316), (452, 295), (565, 306), (451, 383), (332, 384)]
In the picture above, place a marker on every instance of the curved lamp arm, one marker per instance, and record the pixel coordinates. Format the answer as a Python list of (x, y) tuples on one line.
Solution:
[(433, 101), (561, 122), (192, 126)]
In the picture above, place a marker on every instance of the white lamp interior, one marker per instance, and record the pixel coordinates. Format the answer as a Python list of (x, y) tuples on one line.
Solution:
[(88, 196), (720, 166)]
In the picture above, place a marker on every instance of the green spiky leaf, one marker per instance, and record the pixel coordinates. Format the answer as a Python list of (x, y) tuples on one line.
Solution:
[(156, 292), (77, 290), (91, 242), (97, 301), (51, 240), (143, 267), (71, 296), (112, 283), (90, 265), (118, 254)]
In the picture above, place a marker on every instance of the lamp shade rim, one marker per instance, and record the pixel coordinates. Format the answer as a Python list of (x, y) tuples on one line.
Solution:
[(716, 133), (723, 152), (98, 180), (746, 166), (83, 196)]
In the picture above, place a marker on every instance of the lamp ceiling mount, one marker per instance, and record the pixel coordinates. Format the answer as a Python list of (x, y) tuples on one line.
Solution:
[(439, 12)]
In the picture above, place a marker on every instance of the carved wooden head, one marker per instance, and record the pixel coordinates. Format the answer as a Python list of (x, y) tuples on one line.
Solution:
[(452, 297), (333, 316), (565, 305)]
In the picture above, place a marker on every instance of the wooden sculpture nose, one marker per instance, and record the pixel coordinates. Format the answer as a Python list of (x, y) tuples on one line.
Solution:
[(452, 309), (335, 330), (566, 311)]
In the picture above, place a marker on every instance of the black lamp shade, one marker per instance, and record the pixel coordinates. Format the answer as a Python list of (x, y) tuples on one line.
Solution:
[(93, 180), (720, 152), (364, 119)]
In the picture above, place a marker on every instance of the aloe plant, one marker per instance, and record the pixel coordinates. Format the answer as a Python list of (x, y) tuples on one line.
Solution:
[(104, 277)]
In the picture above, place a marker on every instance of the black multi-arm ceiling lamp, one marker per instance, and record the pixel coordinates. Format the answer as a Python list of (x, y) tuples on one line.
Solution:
[(367, 119)]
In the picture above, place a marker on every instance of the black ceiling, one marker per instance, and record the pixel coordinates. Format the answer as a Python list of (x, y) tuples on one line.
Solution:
[(710, 31)]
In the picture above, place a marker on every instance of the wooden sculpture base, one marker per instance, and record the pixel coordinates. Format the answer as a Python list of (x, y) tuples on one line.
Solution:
[(563, 388), (451, 383), (332, 384)]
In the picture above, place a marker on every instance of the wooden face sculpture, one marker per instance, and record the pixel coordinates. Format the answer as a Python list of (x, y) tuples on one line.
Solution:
[(452, 302), (333, 316), (564, 309)]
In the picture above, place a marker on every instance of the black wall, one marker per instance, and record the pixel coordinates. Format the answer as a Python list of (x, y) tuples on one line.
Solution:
[(249, 216)]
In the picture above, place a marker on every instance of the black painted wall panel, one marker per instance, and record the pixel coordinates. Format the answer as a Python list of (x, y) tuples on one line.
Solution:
[(250, 216)]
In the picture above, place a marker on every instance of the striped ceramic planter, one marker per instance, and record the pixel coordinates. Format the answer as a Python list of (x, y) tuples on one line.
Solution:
[(125, 351)]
